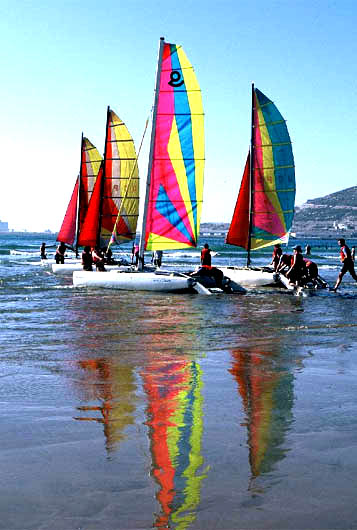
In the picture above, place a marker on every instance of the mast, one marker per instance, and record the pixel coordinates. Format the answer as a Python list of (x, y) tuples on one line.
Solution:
[(151, 154), (103, 181), (251, 170), (79, 197)]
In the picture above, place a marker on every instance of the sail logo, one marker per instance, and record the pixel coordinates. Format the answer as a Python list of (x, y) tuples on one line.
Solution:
[(176, 79)]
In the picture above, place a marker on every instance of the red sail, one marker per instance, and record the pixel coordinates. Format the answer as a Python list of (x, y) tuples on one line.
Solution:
[(67, 232), (89, 231), (238, 233)]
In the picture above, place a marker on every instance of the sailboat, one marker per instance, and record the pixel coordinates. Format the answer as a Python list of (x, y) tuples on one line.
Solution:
[(80, 198), (264, 210), (113, 208), (174, 187)]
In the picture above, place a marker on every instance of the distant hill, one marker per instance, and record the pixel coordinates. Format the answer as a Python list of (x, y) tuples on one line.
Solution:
[(326, 216), (332, 213)]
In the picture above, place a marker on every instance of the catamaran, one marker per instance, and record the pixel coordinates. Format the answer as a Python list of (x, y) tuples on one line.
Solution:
[(264, 210), (174, 187), (108, 199)]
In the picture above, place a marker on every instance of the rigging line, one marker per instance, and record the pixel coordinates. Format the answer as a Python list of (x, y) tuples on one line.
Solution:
[(128, 184)]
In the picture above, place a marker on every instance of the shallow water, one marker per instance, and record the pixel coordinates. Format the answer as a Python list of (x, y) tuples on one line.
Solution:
[(123, 410)]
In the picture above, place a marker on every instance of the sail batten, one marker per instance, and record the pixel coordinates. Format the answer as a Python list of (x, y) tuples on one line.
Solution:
[(267, 195)]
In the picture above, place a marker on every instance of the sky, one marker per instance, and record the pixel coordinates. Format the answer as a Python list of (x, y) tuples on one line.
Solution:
[(63, 63)]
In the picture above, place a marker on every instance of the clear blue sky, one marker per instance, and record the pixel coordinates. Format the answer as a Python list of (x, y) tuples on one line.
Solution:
[(62, 63)]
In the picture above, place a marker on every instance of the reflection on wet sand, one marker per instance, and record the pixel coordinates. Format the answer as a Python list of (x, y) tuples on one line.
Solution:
[(267, 394), (111, 384), (175, 420)]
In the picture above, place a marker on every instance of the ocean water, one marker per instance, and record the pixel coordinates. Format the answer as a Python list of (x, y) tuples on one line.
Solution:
[(124, 410)]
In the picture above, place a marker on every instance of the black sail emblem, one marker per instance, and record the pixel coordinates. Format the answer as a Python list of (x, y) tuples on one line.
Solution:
[(176, 79)]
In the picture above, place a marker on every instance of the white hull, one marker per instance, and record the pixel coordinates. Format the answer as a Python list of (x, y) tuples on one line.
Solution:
[(66, 269), (133, 281), (250, 277), (47, 263)]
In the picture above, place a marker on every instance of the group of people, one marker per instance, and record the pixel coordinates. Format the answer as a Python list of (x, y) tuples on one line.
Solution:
[(301, 271), (298, 269), (97, 257)]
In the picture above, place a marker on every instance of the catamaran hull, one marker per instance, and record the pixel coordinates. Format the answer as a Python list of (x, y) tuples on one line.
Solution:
[(250, 278), (66, 269), (132, 281)]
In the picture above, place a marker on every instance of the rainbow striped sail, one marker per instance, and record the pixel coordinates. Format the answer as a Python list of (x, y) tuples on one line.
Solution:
[(265, 207), (173, 203)]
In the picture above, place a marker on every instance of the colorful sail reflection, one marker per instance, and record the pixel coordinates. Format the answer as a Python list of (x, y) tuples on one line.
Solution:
[(267, 397), (174, 390), (264, 215), (113, 386), (81, 195), (116, 190), (175, 193)]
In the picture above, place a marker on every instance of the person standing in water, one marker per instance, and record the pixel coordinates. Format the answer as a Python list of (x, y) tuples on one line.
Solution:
[(347, 263), (206, 256), (60, 252), (43, 251)]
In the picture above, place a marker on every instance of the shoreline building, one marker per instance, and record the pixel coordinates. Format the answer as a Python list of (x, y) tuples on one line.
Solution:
[(4, 226)]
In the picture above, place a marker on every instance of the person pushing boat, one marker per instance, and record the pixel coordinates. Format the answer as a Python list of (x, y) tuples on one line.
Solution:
[(347, 263), (87, 259), (277, 253), (60, 252), (297, 269)]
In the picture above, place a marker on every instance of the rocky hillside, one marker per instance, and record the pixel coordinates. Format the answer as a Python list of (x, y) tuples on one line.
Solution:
[(332, 213)]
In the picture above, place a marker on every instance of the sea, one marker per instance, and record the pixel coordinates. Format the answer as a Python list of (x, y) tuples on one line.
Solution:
[(133, 410)]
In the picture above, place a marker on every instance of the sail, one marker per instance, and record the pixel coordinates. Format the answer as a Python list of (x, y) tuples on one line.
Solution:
[(90, 163), (174, 199), (238, 233), (116, 189), (121, 183), (67, 231), (272, 180), (88, 234)]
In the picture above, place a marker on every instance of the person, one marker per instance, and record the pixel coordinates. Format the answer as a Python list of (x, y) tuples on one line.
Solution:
[(312, 272), (277, 253), (43, 251), (297, 268), (157, 258), (98, 259), (307, 250), (347, 263), (60, 252), (87, 259), (284, 263), (108, 256), (135, 254), (206, 256), (353, 253)]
